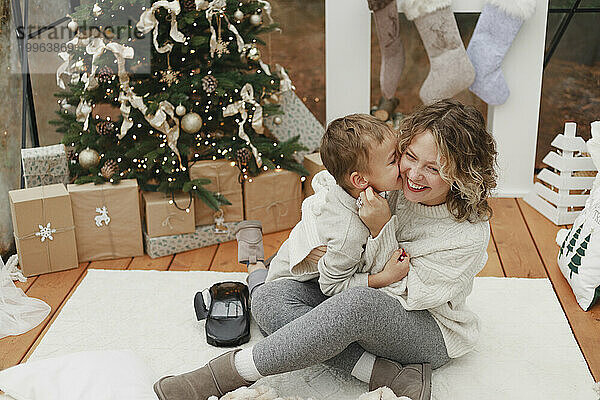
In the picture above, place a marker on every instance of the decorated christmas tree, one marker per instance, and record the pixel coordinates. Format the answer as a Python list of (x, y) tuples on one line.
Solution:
[(150, 87)]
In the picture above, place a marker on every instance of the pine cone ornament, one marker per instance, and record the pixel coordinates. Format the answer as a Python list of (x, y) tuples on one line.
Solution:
[(209, 83), (243, 157), (188, 5), (105, 74), (109, 169), (105, 127)]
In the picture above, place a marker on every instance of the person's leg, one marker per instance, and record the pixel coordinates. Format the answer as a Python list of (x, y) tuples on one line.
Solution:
[(279, 302), (276, 303), (377, 322)]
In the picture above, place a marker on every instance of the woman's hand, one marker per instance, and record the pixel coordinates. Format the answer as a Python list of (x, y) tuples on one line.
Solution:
[(374, 212)]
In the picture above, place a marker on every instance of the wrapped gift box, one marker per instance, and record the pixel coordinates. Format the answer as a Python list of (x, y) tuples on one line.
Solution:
[(224, 179), (44, 229), (107, 220), (167, 215), (296, 120), (313, 163), (202, 237), (45, 165), (274, 198)]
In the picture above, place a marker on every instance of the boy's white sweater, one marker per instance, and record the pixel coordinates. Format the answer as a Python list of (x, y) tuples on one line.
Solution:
[(329, 217), (445, 256)]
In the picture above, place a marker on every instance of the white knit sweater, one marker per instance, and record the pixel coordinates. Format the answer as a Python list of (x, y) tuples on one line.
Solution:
[(330, 218), (445, 257)]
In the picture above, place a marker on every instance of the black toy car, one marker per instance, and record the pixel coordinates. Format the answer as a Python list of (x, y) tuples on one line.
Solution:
[(228, 315)]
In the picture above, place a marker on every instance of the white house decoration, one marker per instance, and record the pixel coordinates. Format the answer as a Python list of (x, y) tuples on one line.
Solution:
[(562, 188)]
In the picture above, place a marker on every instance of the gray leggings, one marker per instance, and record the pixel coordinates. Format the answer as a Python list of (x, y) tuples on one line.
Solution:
[(305, 327)]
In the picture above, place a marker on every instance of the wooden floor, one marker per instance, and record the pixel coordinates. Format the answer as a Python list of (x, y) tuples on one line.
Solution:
[(523, 246)]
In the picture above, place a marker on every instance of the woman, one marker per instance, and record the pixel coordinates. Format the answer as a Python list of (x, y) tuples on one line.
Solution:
[(440, 217)]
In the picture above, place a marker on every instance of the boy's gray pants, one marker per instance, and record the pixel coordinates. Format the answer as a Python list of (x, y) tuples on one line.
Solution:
[(305, 327)]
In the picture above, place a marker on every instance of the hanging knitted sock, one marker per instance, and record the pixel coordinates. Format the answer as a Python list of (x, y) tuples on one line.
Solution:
[(496, 28), (450, 69), (385, 13)]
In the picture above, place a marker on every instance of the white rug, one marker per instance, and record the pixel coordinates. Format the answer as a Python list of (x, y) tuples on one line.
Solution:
[(527, 350)]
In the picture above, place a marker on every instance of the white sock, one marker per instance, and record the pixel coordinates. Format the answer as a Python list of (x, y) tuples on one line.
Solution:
[(244, 363), (364, 367)]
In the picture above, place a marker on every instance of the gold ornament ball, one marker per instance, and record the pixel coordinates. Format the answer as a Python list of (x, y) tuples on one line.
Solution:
[(180, 110), (239, 15), (254, 54), (277, 120), (89, 158), (255, 19), (191, 122), (73, 26)]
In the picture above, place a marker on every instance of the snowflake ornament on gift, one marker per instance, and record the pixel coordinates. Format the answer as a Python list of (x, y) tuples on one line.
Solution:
[(45, 232)]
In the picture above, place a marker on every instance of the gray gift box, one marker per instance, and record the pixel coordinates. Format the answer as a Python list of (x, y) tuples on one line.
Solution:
[(204, 235), (45, 165), (297, 120)]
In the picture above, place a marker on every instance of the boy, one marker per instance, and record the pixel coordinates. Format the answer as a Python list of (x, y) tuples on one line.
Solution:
[(359, 152)]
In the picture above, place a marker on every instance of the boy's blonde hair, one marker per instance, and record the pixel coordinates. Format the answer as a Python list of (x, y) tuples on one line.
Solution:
[(347, 142), (466, 154)]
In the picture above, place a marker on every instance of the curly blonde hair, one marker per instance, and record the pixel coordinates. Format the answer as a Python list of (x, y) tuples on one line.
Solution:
[(466, 154)]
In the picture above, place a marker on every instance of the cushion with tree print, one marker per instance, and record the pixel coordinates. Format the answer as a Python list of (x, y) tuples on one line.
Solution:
[(579, 254)]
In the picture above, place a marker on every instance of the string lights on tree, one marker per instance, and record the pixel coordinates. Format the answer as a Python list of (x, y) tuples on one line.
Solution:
[(187, 82)]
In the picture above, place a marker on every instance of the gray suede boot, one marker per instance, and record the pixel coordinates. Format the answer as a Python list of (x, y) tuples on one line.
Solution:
[(216, 378), (250, 242), (411, 380)]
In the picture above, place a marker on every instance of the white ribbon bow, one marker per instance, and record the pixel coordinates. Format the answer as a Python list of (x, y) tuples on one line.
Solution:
[(160, 121), (97, 47), (267, 7), (285, 82), (216, 7), (148, 22), (82, 113), (66, 68), (247, 94)]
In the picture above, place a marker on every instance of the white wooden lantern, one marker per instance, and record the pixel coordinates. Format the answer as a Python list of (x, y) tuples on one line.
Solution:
[(562, 189)]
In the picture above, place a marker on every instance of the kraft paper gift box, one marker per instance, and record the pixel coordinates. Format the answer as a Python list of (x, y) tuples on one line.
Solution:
[(44, 230), (167, 215), (203, 236), (107, 220), (313, 163), (224, 179), (275, 199), (45, 165)]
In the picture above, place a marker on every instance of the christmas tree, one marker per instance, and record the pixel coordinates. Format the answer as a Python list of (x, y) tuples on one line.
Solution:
[(185, 83), (573, 240), (575, 262)]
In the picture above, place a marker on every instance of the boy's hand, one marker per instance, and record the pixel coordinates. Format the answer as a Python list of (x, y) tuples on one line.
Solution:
[(374, 212), (394, 270)]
